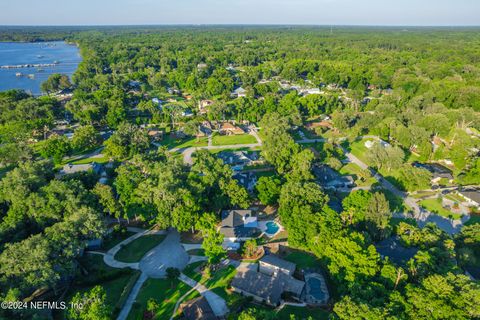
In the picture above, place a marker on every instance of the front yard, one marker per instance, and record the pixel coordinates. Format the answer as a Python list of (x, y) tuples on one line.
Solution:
[(219, 140), (164, 292), (135, 250), (434, 206)]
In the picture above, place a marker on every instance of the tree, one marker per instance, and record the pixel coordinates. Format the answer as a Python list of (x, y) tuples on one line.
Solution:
[(107, 199), (386, 157), (86, 138), (56, 147), (127, 141), (93, 305), (250, 248), (56, 82), (378, 215), (212, 240), (268, 189)]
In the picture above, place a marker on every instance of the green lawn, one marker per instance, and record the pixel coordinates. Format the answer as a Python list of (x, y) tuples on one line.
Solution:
[(96, 272), (184, 143), (101, 160), (355, 171), (303, 260), (189, 271), (196, 252), (220, 280), (358, 149), (436, 207), (165, 292), (115, 238), (136, 249), (219, 140), (474, 218)]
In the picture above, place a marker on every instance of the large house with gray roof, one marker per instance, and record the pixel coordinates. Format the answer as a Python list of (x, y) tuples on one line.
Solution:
[(273, 265), (238, 225), (266, 286)]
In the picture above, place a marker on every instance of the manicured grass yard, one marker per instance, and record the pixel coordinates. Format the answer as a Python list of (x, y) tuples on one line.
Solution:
[(165, 292), (189, 270), (219, 140), (358, 149), (115, 239), (100, 160), (354, 170), (436, 207), (474, 218), (197, 252), (184, 143), (303, 260), (136, 249)]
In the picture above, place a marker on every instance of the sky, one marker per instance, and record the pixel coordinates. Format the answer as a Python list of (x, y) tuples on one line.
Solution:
[(304, 12)]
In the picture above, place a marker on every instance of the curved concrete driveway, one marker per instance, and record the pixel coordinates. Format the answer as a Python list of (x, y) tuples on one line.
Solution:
[(169, 253)]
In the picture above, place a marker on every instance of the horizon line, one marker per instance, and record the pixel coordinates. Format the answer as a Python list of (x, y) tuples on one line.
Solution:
[(243, 24)]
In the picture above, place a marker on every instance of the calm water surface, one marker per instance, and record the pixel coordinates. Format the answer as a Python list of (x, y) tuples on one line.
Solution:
[(14, 53)]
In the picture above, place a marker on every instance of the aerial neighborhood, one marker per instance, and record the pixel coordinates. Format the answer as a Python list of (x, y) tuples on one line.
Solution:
[(245, 173)]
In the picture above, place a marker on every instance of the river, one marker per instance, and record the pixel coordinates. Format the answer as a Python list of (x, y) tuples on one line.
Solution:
[(44, 58)]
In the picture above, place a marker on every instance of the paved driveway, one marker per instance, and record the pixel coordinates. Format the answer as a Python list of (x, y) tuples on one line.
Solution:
[(169, 253)]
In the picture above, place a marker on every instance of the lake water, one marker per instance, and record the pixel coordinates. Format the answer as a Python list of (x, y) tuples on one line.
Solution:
[(59, 56)]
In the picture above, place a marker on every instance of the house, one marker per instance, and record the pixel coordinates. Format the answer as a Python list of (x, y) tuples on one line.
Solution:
[(238, 159), (203, 106), (309, 91), (331, 179), (239, 92), (202, 66), (155, 134), (393, 249), (227, 128), (322, 124), (266, 287), (438, 171), (75, 168), (187, 113), (248, 180), (272, 265), (370, 143), (239, 225), (472, 197), (197, 309)]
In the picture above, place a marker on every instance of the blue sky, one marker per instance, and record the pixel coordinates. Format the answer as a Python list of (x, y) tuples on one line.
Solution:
[(318, 12)]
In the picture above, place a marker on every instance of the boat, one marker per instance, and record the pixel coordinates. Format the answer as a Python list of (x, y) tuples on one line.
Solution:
[(31, 76), (56, 62), (18, 74), (40, 56)]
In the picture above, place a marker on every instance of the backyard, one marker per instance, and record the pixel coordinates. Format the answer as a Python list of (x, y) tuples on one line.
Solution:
[(135, 250)]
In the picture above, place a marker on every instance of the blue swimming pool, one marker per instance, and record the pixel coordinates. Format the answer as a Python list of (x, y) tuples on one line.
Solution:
[(272, 227), (315, 289)]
